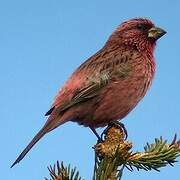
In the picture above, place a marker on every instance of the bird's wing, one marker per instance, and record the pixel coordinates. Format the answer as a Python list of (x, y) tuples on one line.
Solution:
[(90, 78), (85, 93)]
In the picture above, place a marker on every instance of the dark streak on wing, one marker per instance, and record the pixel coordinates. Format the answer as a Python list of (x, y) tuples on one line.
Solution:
[(50, 111)]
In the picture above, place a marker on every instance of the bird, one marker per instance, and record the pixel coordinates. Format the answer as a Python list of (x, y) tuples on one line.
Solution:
[(109, 84)]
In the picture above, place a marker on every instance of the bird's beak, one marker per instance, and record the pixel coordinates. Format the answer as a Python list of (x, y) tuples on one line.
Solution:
[(156, 33)]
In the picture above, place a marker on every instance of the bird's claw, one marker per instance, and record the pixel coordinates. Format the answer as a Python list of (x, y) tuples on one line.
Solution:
[(110, 125)]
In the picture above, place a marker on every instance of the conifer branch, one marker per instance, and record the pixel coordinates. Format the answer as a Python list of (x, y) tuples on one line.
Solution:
[(60, 172), (114, 154), (156, 155)]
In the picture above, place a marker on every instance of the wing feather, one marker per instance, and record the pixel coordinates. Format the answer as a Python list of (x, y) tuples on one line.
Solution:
[(87, 81)]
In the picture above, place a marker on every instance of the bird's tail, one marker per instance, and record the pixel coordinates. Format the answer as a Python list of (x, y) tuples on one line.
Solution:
[(53, 121), (38, 136)]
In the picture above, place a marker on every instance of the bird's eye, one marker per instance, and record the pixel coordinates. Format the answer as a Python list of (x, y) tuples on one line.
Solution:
[(141, 27)]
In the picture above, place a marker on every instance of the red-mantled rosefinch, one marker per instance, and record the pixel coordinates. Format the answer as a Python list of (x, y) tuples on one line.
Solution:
[(109, 84)]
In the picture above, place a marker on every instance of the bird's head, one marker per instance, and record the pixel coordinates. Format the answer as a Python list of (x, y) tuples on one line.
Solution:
[(138, 33)]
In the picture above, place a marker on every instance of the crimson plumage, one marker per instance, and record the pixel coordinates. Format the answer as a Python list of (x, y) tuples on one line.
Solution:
[(108, 85)]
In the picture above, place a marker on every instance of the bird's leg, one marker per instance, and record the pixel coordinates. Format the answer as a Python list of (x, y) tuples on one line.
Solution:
[(96, 134), (121, 125)]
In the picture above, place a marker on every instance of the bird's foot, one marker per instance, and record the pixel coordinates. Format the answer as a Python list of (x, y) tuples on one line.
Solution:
[(114, 123), (110, 125)]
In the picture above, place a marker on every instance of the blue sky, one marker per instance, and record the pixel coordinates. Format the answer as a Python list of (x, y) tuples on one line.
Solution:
[(41, 43)]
